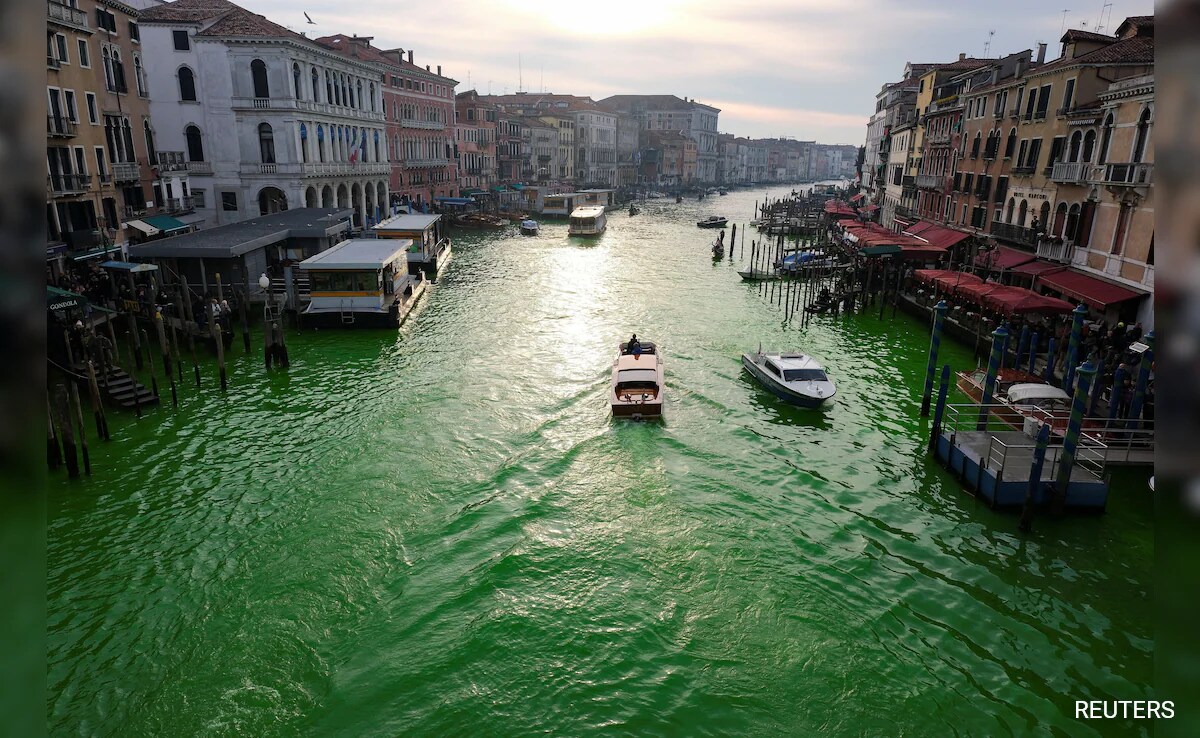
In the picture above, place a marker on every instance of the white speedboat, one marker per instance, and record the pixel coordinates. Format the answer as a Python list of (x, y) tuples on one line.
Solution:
[(529, 227), (637, 381), (587, 221), (796, 378)]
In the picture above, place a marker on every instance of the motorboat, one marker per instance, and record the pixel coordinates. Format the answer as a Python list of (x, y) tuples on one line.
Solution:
[(758, 275), (796, 378), (806, 260), (712, 221), (722, 192), (637, 381), (633, 210), (589, 220), (678, 199), (971, 383), (1019, 395), (529, 227)]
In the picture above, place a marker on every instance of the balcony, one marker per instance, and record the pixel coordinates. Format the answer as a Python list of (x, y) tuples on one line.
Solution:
[(177, 205), (1136, 174), (936, 139), (199, 167), (59, 127), (65, 14), (52, 62), (1071, 172), (1039, 115), (340, 169), (425, 163), (432, 125), (931, 181), (1056, 250), (172, 161), (1023, 171), (318, 107), (126, 171), (1014, 234), (69, 184)]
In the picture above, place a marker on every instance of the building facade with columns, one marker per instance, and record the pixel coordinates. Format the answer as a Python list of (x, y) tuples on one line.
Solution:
[(265, 118)]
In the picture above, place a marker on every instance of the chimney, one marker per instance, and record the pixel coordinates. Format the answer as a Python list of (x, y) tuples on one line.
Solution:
[(426, 67), (1020, 68), (962, 56), (1041, 57), (439, 70), (410, 56)]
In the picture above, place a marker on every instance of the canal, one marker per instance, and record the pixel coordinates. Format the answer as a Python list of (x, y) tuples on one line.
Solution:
[(440, 531)]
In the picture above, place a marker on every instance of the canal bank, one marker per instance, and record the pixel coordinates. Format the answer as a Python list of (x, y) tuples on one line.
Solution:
[(439, 530)]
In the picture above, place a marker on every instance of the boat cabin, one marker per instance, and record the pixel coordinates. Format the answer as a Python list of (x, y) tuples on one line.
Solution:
[(1042, 396), (363, 282), (795, 368), (430, 249), (588, 221), (561, 204)]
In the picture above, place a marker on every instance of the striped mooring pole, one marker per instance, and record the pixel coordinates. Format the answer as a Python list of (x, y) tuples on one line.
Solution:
[(1035, 477), (939, 315), (999, 338), (1048, 372), (1033, 344), (939, 409), (1073, 347), (1066, 459), (1139, 387)]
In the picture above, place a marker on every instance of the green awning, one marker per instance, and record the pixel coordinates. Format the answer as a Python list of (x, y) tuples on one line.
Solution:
[(472, 191), (57, 299), (102, 251), (500, 188), (882, 250), (166, 223), (518, 186)]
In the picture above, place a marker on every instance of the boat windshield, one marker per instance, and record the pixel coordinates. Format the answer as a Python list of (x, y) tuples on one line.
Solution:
[(804, 375), (637, 379)]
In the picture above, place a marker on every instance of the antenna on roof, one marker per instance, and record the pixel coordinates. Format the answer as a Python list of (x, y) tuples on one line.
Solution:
[(1063, 28), (1100, 22), (988, 46), (520, 74)]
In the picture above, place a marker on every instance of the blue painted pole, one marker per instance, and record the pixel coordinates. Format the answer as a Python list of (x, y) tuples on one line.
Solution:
[(1048, 372), (1091, 410), (1022, 344), (939, 316), (1071, 438), (1114, 396), (999, 337), (1143, 378), (1035, 477), (1073, 347), (940, 408), (1033, 344)]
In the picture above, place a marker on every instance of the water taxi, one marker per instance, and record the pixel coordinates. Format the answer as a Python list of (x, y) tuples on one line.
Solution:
[(637, 381), (712, 221), (529, 228), (361, 283), (587, 221), (796, 378)]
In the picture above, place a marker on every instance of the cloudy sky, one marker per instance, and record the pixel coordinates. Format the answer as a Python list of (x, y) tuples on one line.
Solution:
[(802, 68)]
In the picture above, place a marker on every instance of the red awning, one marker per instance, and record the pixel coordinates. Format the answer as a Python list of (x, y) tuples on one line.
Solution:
[(837, 207), (952, 280), (975, 292), (1093, 291), (921, 251), (944, 237), (929, 276), (1003, 257), (919, 226), (870, 208), (1037, 268), (858, 197), (1019, 301)]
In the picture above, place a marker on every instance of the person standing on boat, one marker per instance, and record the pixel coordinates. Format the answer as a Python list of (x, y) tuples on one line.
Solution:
[(634, 346)]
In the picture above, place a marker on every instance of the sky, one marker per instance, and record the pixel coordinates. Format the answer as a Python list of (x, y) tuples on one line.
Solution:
[(807, 69)]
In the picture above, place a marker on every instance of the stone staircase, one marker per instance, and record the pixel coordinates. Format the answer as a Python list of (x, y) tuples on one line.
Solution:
[(123, 390)]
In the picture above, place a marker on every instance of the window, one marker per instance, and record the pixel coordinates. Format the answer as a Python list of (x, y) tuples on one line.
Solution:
[(297, 87), (101, 168), (258, 74), (85, 58), (1069, 95), (182, 42), (1105, 139), (72, 113), (1035, 151), (266, 143), (1143, 136), (110, 83), (1011, 144), (1030, 104), (316, 85), (229, 201), (198, 199), (1043, 101), (106, 20), (195, 146), (1056, 150), (149, 135), (133, 32), (1021, 154), (187, 85), (139, 77), (93, 117)]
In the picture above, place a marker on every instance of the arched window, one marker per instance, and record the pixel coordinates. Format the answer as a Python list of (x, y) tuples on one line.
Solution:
[(1076, 142), (1089, 146), (1012, 203), (316, 85), (303, 143), (1105, 139), (358, 87), (975, 146), (139, 76), (1071, 230), (187, 85), (127, 134), (372, 91), (258, 74), (195, 146), (297, 84), (1060, 219), (109, 79), (1022, 213), (377, 156), (266, 143), (149, 134), (320, 143), (328, 88), (1143, 136), (1044, 216)]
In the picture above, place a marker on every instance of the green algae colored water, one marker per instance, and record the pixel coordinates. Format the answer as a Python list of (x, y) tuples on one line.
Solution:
[(440, 531)]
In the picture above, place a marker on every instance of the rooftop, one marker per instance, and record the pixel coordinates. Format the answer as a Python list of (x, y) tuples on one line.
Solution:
[(360, 253), (407, 222), (235, 239)]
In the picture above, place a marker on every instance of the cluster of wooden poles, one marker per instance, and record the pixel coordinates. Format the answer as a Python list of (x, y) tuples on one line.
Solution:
[(67, 443)]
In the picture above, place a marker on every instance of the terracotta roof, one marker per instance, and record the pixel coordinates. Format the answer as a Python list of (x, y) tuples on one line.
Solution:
[(649, 102), (241, 22), (1078, 35), (1132, 50), (1141, 24), (187, 11)]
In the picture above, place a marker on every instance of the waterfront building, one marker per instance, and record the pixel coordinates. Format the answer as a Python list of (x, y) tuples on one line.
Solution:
[(265, 118), (544, 149), (628, 128), (675, 163), (894, 102), (418, 108), (100, 142), (729, 165), (670, 113), (475, 142), (512, 162), (899, 194), (595, 144)]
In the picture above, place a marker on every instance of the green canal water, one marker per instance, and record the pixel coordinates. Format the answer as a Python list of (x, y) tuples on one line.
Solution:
[(440, 531)]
